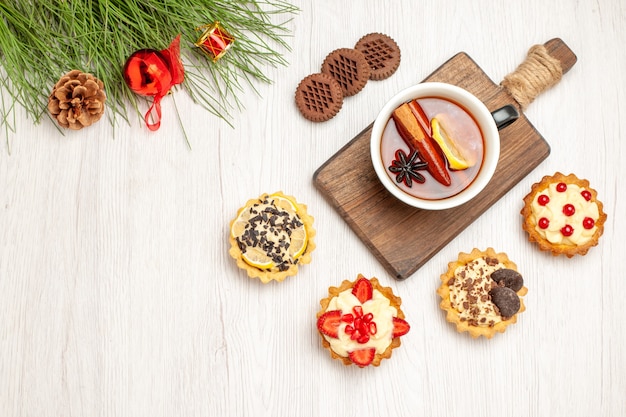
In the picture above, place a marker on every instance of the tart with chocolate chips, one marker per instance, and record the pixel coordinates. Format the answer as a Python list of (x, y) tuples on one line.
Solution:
[(482, 293), (270, 236)]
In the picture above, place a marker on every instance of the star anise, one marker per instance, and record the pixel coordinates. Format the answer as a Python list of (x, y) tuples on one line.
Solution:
[(406, 168)]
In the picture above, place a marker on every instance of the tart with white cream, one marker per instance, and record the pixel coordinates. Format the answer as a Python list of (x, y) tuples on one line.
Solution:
[(482, 293), (270, 236), (361, 322), (563, 215)]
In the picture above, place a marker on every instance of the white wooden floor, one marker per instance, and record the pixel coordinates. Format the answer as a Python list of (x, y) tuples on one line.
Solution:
[(118, 297)]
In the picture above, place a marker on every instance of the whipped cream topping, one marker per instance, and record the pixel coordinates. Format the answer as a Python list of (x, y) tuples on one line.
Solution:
[(383, 312), (469, 292), (553, 212)]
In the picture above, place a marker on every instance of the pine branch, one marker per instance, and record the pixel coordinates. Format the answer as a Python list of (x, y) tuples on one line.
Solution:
[(40, 40)]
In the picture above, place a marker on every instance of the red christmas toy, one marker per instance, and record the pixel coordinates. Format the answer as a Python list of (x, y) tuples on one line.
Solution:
[(149, 72), (214, 41)]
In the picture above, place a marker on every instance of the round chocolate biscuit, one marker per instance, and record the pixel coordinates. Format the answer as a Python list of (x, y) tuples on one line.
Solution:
[(349, 67), (319, 97), (509, 278), (382, 54), (506, 300)]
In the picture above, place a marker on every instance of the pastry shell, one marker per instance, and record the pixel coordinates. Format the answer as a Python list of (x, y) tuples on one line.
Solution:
[(394, 301), (266, 275), (453, 315), (529, 223)]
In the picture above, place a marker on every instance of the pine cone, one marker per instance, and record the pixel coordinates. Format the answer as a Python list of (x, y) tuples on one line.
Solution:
[(77, 100)]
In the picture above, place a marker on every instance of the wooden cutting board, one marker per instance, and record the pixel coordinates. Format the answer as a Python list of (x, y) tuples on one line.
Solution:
[(402, 237)]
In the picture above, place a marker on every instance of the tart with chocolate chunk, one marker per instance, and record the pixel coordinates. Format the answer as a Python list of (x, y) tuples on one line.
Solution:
[(563, 215), (361, 322), (482, 293), (270, 236)]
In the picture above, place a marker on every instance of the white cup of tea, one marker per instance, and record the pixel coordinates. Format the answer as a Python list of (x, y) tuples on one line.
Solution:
[(436, 146)]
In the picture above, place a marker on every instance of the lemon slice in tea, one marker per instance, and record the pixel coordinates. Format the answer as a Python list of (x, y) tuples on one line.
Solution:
[(455, 158)]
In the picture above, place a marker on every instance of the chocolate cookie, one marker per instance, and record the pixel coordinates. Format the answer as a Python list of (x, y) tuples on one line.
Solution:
[(319, 97), (349, 67), (506, 300), (509, 278), (382, 54)]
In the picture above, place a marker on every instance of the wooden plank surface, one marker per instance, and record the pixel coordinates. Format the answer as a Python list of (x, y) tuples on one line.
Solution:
[(402, 237), (118, 297)]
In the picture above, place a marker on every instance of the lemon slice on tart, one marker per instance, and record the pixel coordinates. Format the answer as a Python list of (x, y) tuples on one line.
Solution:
[(299, 236), (299, 239), (239, 225), (453, 154), (257, 258), (284, 202)]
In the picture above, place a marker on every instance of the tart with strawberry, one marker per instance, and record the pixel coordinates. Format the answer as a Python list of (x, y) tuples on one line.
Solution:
[(482, 293), (270, 236), (563, 215), (361, 322)]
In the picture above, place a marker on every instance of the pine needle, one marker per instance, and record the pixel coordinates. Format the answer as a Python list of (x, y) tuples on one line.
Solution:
[(40, 40)]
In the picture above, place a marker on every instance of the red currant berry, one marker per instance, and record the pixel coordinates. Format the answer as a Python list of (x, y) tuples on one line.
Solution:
[(569, 210), (588, 223), (561, 187), (543, 223), (543, 200), (567, 230), (586, 194)]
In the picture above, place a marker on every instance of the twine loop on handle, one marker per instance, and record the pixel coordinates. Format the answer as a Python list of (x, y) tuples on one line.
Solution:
[(537, 73)]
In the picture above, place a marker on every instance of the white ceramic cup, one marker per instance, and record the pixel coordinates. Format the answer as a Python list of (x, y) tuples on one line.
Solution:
[(482, 116)]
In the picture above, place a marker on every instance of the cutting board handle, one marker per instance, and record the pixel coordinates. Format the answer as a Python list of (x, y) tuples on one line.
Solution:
[(543, 67)]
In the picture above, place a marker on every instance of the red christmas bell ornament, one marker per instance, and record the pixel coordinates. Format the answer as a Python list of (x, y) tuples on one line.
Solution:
[(149, 72)]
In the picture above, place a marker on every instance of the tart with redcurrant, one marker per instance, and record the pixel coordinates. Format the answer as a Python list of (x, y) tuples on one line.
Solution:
[(563, 215), (270, 236), (482, 293), (361, 322)]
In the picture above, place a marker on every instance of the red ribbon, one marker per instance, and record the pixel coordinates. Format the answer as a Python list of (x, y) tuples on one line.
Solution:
[(156, 106)]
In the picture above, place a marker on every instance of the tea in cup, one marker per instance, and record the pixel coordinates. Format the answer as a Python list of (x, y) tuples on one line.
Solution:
[(436, 146)]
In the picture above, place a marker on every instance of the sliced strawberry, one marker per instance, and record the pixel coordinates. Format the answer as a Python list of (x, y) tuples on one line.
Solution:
[(362, 357), (363, 289), (400, 327), (329, 322)]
